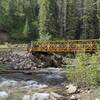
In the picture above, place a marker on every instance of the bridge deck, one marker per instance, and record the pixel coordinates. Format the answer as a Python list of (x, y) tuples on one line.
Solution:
[(66, 46)]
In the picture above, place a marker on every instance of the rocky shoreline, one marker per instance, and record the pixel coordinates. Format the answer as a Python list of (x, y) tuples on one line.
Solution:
[(28, 61)]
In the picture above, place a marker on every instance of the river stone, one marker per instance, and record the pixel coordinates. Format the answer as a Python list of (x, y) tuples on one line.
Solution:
[(71, 89), (40, 96), (31, 82), (55, 96), (97, 98), (74, 97), (3, 95), (8, 83), (26, 97)]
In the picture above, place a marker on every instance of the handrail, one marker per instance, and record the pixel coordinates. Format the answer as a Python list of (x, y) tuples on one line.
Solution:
[(98, 40), (65, 46)]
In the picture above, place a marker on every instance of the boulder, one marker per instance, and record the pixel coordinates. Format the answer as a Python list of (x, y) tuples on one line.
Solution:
[(26, 97), (71, 89), (74, 97), (55, 96), (3, 95), (46, 96), (97, 98), (8, 83), (31, 82)]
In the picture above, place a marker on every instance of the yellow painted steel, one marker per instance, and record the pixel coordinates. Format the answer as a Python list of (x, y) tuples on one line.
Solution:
[(65, 46)]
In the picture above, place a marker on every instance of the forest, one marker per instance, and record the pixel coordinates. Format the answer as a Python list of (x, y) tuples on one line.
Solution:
[(65, 19), (49, 49)]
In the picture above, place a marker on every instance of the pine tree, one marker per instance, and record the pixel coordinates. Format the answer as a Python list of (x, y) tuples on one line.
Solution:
[(26, 28), (47, 17), (43, 7)]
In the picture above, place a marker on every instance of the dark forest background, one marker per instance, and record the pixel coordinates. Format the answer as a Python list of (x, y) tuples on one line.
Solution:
[(50, 19)]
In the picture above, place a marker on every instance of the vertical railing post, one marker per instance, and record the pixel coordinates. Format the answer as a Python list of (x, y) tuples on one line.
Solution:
[(31, 46)]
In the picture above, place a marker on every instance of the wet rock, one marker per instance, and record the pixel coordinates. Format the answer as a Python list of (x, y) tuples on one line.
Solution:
[(31, 82), (8, 83), (3, 95), (71, 89), (1, 58), (55, 96), (46, 96), (74, 97), (26, 97), (54, 79)]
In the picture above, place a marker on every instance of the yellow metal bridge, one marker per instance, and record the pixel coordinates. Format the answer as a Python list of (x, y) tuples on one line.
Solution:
[(65, 46)]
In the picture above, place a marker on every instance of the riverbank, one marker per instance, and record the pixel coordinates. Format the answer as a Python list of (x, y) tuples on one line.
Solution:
[(21, 60)]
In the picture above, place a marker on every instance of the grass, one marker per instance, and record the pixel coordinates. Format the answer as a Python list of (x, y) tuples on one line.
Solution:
[(3, 46), (9, 46)]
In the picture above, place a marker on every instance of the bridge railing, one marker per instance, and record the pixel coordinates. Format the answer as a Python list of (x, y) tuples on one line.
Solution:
[(65, 46)]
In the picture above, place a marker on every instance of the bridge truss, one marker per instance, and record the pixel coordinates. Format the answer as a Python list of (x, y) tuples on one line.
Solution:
[(65, 46)]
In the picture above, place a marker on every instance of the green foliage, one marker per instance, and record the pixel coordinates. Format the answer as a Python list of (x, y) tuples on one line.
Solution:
[(26, 29), (96, 65), (68, 19), (47, 17), (86, 72), (42, 16), (44, 37)]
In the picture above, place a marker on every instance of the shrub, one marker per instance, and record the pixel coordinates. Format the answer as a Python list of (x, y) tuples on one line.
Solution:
[(86, 72), (44, 37)]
